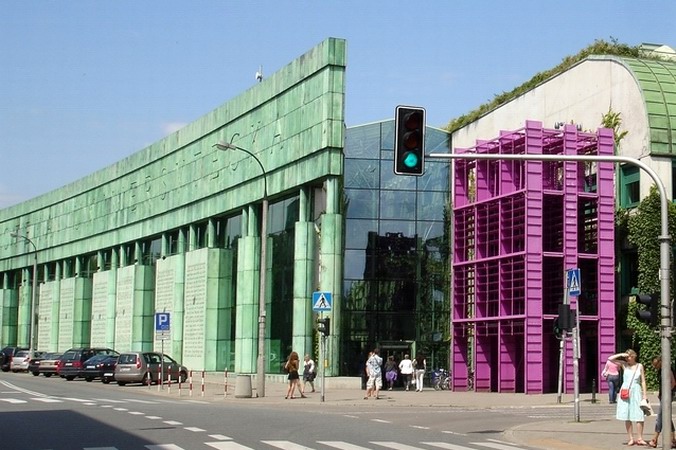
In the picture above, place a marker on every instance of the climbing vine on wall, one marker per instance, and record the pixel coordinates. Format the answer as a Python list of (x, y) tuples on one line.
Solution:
[(644, 227)]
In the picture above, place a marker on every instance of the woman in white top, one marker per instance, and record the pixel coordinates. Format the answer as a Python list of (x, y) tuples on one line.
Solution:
[(309, 373), (406, 369)]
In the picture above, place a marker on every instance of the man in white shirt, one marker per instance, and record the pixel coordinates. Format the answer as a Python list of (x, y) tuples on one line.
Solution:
[(406, 369)]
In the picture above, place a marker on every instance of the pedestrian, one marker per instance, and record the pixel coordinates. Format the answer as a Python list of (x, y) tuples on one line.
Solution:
[(390, 372), (309, 373), (291, 367), (375, 381), (406, 369), (632, 392), (611, 372), (657, 365), (420, 366)]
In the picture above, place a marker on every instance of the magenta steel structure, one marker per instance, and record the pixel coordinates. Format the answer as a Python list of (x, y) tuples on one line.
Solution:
[(518, 227)]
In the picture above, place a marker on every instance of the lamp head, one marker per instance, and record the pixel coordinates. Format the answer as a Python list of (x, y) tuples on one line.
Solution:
[(222, 145)]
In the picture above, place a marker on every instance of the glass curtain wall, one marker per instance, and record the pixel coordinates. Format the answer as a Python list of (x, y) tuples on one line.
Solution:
[(396, 282)]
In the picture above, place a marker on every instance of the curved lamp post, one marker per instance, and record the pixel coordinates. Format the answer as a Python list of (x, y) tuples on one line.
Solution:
[(33, 290), (260, 362)]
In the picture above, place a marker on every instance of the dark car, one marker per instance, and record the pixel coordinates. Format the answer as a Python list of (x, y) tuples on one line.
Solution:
[(6, 356), (100, 366), (70, 365), (45, 364)]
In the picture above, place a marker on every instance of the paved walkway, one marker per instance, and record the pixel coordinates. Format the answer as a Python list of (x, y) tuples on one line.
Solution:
[(596, 429)]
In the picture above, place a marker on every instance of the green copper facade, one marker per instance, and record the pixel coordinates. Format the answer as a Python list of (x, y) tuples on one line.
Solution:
[(176, 228)]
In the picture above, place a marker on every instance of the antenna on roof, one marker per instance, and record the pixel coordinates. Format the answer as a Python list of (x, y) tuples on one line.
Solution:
[(259, 74)]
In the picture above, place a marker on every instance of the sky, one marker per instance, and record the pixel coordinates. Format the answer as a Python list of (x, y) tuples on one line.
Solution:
[(84, 84)]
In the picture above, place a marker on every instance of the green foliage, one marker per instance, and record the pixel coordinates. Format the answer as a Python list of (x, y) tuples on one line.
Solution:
[(644, 228), (613, 120), (599, 47)]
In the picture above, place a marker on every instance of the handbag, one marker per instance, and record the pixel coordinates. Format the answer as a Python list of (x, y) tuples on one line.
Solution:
[(624, 392)]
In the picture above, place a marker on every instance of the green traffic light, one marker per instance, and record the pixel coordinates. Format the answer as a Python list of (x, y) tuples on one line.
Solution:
[(411, 160)]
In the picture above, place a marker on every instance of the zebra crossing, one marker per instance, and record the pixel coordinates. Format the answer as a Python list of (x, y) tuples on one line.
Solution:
[(227, 444), (49, 399)]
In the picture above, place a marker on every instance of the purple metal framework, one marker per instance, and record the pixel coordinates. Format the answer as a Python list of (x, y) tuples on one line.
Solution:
[(518, 226)]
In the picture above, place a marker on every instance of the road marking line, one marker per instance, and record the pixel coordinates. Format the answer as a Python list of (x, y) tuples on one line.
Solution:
[(80, 400), (286, 445), (195, 429), (145, 402), (153, 417), (13, 400), (173, 422), (47, 400), (136, 413), (495, 446), (446, 445), (342, 445), (380, 421), (99, 448), (419, 427), (108, 400), (227, 446), (120, 409), (395, 445), (164, 447), (219, 437)]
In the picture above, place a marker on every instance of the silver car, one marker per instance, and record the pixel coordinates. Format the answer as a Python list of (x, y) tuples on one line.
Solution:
[(147, 368)]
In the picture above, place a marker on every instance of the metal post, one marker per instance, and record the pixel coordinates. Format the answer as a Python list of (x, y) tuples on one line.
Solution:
[(576, 360), (34, 288), (665, 252), (562, 346), (260, 362), (323, 362)]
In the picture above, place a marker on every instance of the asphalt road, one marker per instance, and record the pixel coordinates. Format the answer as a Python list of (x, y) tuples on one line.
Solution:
[(38, 413)]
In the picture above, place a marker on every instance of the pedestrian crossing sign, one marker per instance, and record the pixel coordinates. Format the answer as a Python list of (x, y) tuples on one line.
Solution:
[(574, 282), (322, 301)]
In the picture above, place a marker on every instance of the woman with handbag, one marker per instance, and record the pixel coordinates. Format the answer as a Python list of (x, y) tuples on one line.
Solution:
[(632, 392)]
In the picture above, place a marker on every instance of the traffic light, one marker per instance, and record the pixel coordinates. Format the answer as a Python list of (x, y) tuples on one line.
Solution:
[(649, 314), (566, 319), (558, 331), (409, 140), (324, 326)]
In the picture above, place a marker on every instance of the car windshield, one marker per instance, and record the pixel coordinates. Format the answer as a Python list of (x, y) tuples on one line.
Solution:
[(21, 354)]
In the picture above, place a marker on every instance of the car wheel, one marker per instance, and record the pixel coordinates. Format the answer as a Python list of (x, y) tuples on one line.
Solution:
[(147, 379), (14, 371), (70, 377), (121, 383), (5, 369), (36, 374), (88, 379), (48, 375), (105, 380)]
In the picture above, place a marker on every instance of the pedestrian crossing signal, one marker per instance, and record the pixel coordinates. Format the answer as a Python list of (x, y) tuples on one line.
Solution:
[(324, 326)]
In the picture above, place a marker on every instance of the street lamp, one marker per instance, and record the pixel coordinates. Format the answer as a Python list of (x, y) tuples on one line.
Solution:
[(260, 363), (33, 290)]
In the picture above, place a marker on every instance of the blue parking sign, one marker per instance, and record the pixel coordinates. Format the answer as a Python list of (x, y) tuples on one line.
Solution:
[(162, 322)]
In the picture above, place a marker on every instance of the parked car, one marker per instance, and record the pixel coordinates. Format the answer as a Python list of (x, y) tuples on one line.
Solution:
[(100, 366), (70, 364), (144, 367), (44, 364), (20, 361), (6, 356)]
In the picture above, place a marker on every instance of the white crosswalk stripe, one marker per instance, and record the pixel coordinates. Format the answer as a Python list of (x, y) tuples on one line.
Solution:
[(396, 446), (286, 445), (495, 445), (342, 445), (13, 400), (447, 446), (164, 447), (227, 445), (47, 400)]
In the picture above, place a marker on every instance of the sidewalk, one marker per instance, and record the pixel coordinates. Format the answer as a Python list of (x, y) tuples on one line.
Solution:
[(597, 428)]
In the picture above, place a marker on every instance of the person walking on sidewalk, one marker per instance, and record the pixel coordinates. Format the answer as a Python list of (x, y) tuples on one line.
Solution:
[(611, 372), (406, 369), (420, 366), (375, 382), (291, 367), (632, 392), (390, 372), (657, 365), (309, 374)]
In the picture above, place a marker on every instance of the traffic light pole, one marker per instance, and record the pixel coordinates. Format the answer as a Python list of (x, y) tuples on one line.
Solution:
[(665, 304)]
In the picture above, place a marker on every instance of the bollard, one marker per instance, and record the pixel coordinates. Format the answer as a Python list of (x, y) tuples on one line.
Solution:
[(225, 388), (169, 384), (202, 383), (593, 399), (190, 385), (159, 379), (179, 384)]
